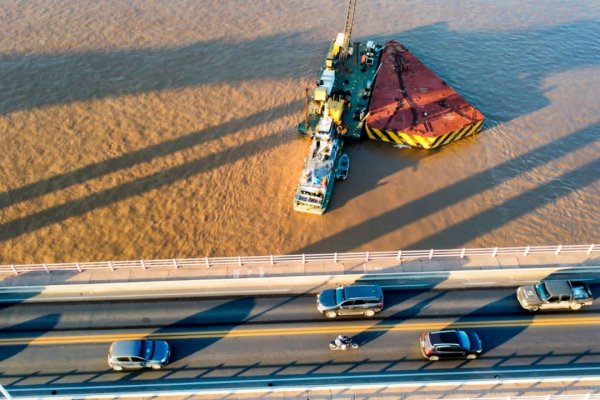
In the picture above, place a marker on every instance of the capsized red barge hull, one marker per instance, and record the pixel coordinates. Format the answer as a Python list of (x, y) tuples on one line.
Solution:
[(412, 106)]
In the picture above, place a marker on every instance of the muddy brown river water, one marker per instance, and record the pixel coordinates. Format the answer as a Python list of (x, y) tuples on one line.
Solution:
[(136, 129)]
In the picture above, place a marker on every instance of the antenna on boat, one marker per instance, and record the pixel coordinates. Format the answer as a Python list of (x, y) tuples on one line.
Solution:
[(306, 108)]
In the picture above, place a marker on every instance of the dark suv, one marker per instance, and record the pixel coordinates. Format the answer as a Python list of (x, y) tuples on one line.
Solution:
[(351, 300), (450, 344)]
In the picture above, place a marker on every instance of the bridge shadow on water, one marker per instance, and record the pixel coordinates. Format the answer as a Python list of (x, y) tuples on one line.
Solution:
[(106, 75), (39, 80), (489, 56), (372, 175), (488, 67), (474, 226), (80, 206), (62, 78), (128, 160)]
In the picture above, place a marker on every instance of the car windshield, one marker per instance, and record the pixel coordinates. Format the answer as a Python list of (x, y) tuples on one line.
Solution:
[(579, 293), (339, 295), (541, 291), (147, 349), (463, 340)]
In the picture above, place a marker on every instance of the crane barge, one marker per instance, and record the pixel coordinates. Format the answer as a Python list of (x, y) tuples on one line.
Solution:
[(384, 91)]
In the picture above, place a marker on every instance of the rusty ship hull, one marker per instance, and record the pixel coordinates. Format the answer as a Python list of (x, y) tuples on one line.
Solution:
[(412, 106)]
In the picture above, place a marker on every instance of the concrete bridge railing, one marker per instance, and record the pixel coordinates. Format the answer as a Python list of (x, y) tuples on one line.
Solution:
[(208, 262)]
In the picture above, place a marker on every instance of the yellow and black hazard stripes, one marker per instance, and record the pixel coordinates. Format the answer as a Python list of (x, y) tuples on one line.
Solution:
[(398, 138), (458, 134), (419, 141)]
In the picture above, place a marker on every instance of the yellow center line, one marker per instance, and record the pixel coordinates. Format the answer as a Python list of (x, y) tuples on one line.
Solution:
[(315, 330)]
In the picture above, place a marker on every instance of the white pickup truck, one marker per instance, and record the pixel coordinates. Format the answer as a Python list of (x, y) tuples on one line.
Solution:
[(555, 295)]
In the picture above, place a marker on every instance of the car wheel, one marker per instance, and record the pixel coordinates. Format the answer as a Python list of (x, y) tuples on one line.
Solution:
[(331, 314), (117, 368), (472, 357), (576, 306), (369, 313), (433, 358), (156, 366), (533, 309)]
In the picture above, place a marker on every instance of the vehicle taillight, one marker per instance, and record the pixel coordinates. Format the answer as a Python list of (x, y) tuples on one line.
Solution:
[(380, 305)]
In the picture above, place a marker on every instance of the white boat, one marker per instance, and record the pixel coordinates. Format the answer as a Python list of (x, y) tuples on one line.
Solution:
[(314, 189)]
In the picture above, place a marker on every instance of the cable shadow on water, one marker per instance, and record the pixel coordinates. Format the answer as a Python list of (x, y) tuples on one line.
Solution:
[(454, 193), (514, 208), (59, 213), (371, 175), (38, 80), (128, 160), (488, 67)]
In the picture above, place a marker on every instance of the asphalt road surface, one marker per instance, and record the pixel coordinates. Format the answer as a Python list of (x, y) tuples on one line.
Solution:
[(275, 341)]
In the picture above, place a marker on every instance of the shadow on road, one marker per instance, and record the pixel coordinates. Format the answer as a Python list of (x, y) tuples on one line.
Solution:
[(33, 332), (382, 327)]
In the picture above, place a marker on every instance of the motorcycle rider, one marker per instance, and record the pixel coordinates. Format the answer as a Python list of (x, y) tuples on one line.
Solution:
[(342, 341)]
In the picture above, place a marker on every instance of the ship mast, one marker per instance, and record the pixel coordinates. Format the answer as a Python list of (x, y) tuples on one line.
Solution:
[(348, 30)]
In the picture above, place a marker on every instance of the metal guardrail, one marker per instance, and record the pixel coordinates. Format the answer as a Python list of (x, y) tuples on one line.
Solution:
[(208, 262), (587, 396), (581, 396), (367, 256)]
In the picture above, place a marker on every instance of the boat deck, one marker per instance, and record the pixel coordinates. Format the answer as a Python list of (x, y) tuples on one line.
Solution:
[(342, 96), (411, 105), (358, 80), (354, 83)]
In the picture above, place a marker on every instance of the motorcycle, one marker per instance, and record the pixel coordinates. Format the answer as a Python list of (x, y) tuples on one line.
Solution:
[(343, 343)]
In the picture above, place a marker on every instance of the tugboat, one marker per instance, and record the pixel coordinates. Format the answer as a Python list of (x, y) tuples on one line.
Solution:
[(314, 189), (335, 111)]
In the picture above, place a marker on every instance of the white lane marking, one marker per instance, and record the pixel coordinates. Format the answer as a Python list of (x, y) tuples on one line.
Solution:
[(323, 378), (142, 295)]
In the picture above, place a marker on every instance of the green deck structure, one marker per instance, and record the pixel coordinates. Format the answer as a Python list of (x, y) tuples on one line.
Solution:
[(353, 83)]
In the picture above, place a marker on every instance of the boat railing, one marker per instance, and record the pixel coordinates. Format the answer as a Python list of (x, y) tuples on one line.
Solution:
[(309, 198), (395, 255)]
